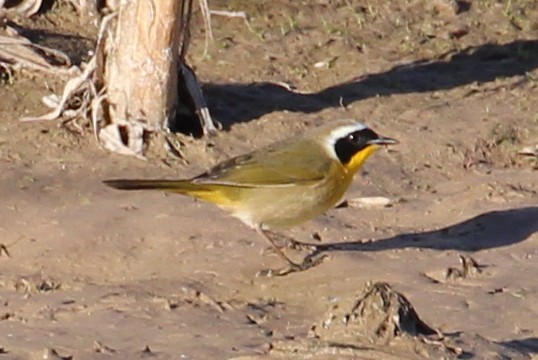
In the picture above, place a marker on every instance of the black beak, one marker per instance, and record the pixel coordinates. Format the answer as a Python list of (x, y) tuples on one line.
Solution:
[(383, 141)]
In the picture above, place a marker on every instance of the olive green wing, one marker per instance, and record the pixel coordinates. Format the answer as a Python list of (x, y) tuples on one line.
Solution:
[(283, 164)]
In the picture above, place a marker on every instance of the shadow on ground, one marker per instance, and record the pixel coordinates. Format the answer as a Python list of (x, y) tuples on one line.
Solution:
[(76, 47), (234, 103), (489, 230), (528, 344)]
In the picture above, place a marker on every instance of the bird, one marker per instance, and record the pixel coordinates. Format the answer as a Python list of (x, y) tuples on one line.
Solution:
[(283, 184)]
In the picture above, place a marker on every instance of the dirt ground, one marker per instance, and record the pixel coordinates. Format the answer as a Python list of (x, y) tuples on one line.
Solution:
[(95, 273)]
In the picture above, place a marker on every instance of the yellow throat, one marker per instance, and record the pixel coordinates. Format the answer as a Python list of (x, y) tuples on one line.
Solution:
[(359, 158)]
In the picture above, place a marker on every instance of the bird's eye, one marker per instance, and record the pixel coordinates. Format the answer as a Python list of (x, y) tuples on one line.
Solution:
[(352, 138)]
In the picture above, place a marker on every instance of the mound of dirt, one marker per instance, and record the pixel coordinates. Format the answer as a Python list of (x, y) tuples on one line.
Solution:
[(377, 323)]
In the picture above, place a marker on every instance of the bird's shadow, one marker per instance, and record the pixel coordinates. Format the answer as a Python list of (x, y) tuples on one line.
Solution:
[(528, 345), (235, 103), (489, 230)]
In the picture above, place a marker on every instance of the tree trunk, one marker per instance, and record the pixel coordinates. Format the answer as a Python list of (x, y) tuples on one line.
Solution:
[(140, 72), (141, 65)]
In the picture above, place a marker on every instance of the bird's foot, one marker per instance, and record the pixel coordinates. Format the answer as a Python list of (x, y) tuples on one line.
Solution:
[(287, 242), (294, 245), (301, 246), (308, 262)]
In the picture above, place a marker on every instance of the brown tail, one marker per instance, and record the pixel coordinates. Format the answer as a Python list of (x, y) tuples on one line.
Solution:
[(181, 186), (212, 193)]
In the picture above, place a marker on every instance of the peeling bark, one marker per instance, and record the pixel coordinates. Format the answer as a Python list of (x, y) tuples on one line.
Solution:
[(141, 68)]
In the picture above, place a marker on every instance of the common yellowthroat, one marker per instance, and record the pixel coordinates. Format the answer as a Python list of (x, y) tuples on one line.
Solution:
[(283, 184)]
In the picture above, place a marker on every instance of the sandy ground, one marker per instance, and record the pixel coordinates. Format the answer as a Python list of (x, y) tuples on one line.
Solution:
[(95, 273)]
